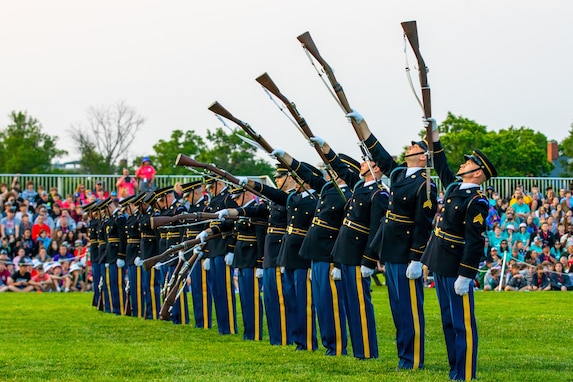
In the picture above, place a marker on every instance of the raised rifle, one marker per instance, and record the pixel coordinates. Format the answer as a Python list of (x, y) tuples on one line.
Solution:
[(310, 47), (267, 83), (411, 34), (185, 161), (150, 262), (217, 108), (160, 221)]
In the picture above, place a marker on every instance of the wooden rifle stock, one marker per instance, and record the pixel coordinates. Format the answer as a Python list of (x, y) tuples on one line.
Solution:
[(160, 221), (184, 160), (180, 274), (150, 262)]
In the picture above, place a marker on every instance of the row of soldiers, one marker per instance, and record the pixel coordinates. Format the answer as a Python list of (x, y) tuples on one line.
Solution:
[(311, 244)]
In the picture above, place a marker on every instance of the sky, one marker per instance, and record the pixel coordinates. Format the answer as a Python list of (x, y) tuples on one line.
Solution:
[(500, 63)]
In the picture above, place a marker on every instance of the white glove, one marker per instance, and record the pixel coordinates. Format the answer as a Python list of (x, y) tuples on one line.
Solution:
[(106, 265), (120, 263), (278, 153), (282, 269), (207, 264), (414, 270), (355, 115), (138, 262), (223, 214), (366, 272), (243, 180), (181, 255), (202, 236), (430, 122), (258, 273), (318, 140), (336, 274), (198, 251), (462, 285), (229, 258)]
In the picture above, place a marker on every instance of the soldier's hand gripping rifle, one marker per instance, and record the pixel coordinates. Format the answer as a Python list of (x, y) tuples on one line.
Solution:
[(150, 262), (185, 161), (217, 108), (411, 34), (339, 95), (267, 83)]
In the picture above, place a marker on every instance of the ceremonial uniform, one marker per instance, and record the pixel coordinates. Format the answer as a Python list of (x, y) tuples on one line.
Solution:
[(402, 238), (94, 252), (103, 266), (454, 252), (133, 252), (148, 248), (115, 249), (363, 212), (317, 247), (221, 274)]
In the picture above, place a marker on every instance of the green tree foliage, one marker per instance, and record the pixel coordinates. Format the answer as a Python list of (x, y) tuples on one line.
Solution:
[(514, 151), (231, 154), (188, 143), (24, 148), (566, 147)]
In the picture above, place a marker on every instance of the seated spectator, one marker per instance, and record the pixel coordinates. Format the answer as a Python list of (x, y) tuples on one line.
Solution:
[(504, 251), (521, 209), (9, 225), (539, 281), (27, 243), (23, 210), (41, 280), (54, 269), (4, 274), (536, 245), (75, 280), (557, 250), (509, 231), (44, 200), (26, 223), (77, 214), (567, 239), (546, 255), (21, 257), (43, 211), (521, 235), (53, 249), (80, 195), (559, 280), (521, 251), (71, 223), (42, 255), (100, 192), (43, 241), (531, 226), (63, 254), (30, 193), (517, 281), (68, 203), (491, 279), (19, 281), (496, 237), (80, 250), (509, 218)]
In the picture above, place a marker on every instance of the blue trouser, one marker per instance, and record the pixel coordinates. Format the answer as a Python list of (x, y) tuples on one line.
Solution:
[(327, 295), (300, 308), (180, 310), (96, 275), (407, 305), (201, 295), (460, 329), (105, 288), (359, 312), (275, 307), (151, 292), (251, 304), (116, 289), (221, 277), (135, 277)]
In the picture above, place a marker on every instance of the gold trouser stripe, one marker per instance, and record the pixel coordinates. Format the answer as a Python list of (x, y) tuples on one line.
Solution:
[(121, 290), (181, 304), (139, 294), (257, 307), (204, 295), (228, 290), (469, 336), (336, 311), (282, 310), (362, 308), (308, 311), (415, 320), (108, 285), (152, 292)]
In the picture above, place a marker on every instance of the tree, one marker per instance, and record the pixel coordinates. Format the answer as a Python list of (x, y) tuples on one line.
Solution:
[(232, 154), (166, 152), (514, 151), (566, 147), (109, 133), (24, 148)]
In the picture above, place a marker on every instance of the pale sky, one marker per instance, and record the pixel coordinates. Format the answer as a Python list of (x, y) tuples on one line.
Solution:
[(500, 63)]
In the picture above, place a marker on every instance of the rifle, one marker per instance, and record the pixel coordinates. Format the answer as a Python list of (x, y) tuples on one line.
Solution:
[(217, 108), (181, 272), (411, 33), (127, 310), (184, 160), (159, 221), (267, 83), (100, 299), (150, 262)]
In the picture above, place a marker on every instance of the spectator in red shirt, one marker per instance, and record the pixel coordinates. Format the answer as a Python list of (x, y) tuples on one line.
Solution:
[(100, 192), (146, 175), (40, 226), (4, 274), (126, 185)]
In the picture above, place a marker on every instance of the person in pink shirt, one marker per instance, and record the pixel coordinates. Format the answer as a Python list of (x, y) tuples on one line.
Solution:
[(146, 175), (126, 185)]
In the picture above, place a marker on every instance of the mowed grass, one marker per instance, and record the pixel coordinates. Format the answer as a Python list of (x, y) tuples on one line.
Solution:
[(57, 336)]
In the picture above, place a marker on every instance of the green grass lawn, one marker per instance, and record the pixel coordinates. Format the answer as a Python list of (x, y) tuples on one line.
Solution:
[(57, 336)]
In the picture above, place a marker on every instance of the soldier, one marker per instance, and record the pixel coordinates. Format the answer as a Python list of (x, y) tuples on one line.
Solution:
[(148, 248), (219, 260), (133, 254), (454, 251), (200, 289), (115, 255), (363, 212), (101, 207), (401, 240), (317, 247), (93, 222)]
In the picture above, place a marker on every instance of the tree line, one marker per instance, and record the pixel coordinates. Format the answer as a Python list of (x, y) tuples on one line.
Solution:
[(102, 142)]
